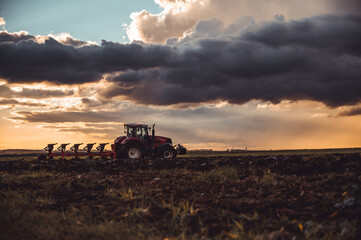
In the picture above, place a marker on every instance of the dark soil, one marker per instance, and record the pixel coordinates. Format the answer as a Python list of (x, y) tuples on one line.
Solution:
[(274, 197)]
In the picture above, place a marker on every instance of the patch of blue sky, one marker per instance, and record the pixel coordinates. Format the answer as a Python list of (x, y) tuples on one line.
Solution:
[(87, 20)]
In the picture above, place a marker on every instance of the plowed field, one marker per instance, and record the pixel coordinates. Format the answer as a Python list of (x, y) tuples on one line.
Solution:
[(231, 197)]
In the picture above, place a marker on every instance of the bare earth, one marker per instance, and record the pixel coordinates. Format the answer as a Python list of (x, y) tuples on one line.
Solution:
[(300, 196)]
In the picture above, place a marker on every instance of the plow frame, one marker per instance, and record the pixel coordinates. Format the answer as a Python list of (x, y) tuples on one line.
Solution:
[(86, 151)]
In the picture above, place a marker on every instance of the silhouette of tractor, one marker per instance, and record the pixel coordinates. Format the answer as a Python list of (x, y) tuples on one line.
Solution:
[(140, 141)]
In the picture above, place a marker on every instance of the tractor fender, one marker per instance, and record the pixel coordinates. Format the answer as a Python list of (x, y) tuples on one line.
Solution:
[(119, 139), (158, 149), (132, 139)]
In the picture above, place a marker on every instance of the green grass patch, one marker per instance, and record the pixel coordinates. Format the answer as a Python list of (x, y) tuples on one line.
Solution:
[(218, 174)]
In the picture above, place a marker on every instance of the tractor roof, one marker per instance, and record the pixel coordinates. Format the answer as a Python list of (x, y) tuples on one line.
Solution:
[(135, 125)]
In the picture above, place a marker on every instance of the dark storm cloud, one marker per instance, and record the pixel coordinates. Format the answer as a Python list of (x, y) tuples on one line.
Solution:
[(6, 92), (327, 32), (28, 62), (316, 58), (66, 39), (15, 37), (353, 112)]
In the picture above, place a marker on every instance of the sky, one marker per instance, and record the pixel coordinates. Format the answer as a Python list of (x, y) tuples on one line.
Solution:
[(92, 20), (220, 74)]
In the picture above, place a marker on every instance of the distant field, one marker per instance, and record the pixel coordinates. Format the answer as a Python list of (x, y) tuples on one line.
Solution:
[(273, 152), (32, 153), (253, 195), (19, 153)]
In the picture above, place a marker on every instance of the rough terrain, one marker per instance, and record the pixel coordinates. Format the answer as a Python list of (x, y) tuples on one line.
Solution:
[(230, 197)]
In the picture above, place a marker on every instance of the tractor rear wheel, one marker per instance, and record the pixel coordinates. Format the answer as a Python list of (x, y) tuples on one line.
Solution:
[(134, 151), (167, 153)]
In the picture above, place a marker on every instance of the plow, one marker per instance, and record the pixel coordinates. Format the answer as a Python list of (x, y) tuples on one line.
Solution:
[(138, 142), (75, 152)]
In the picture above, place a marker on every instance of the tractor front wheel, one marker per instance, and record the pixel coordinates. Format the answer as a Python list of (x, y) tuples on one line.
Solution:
[(167, 153), (134, 151)]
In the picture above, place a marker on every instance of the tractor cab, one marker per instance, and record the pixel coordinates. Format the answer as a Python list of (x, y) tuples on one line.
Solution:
[(141, 131)]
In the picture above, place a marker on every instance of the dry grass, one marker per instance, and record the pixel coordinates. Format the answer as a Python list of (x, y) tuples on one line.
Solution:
[(307, 197)]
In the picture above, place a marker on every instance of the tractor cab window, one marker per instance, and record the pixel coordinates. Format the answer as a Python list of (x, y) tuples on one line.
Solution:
[(141, 133), (130, 132), (138, 132), (145, 131)]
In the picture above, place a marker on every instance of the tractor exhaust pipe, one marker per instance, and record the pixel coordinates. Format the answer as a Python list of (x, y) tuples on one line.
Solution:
[(153, 137)]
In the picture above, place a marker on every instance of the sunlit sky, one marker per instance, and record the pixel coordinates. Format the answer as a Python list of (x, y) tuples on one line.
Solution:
[(91, 20), (220, 74)]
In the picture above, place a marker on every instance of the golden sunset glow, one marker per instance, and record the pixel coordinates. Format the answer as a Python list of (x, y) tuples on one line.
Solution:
[(210, 74), (288, 125)]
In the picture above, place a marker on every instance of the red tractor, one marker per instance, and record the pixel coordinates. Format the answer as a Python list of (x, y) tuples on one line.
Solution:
[(140, 141), (137, 143)]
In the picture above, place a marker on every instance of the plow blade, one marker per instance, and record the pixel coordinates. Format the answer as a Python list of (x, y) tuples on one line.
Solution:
[(75, 152)]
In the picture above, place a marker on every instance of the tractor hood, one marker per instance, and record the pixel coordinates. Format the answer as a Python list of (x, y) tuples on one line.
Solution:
[(161, 139)]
